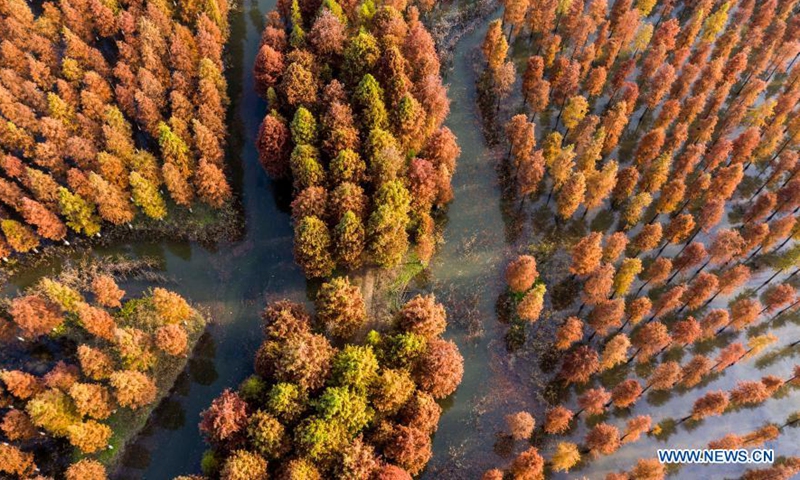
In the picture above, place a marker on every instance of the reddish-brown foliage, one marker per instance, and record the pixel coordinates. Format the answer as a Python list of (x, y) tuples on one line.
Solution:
[(607, 314), (703, 286), (729, 356), (569, 333), (749, 393), (274, 146), (133, 389), (410, 448), (615, 246), (86, 469), (603, 439), (224, 422), (521, 273), (709, 405), (650, 339), (21, 384), (172, 339), (778, 296), (557, 420), (106, 291), (14, 461), (733, 278), (586, 254), (95, 364), (520, 425), (35, 315), (579, 365), (744, 312), (62, 376), (626, 393), (635, 427), (17, 425), (594, 400), (528, 464), (440, 369)]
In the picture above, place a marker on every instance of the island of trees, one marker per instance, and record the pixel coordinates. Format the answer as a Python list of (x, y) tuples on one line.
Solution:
[(356, 106), (69, 413), (332, 397)]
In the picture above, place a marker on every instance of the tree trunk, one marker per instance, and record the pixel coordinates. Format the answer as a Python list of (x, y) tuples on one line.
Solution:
[(640, 288), (710, 299), (698, 271), (777, 272), (560, 111), (639, 123), (755, 252)]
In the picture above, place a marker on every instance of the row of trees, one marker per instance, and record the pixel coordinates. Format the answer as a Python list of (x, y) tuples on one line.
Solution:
[(671, 116), (101, 106), (356, 106), (120, 347), (364, 409)]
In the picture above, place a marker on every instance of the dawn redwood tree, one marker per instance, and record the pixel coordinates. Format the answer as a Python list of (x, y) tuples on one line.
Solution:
[(566, 456), (586, 254), (626, 393), (637, 309), (35, 315), (341, 308), (528, 464), (557, 420), (521, 273), (606, 314), (626, 274), (423, 316), (603, 439), (520, 425), (579, 365), (312, 242), (568, 333), (685, 332), (133, 389), (593, 401), (535, 88), (532, 304), (615, 351), (650, 339), (710, 404), (226, 420), (441, 369), (598, 285), (571, 195), (615, 245)]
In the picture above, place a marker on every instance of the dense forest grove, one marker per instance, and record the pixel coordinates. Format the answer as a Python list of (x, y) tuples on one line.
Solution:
[(117, 357), (659, 140), (356, 106), (645, 156), (102, 104)]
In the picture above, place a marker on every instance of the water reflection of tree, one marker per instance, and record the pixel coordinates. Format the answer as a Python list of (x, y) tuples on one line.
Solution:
[(201, 366), (169, 415)]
